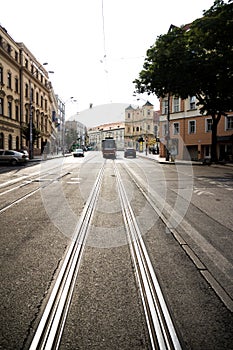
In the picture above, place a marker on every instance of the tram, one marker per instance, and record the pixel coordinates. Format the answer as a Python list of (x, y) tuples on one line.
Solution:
[(109, 148)]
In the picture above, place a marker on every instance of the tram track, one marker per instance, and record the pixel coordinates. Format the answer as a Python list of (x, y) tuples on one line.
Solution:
[(42, 177), (49, 331), (171, 218), (160, 327)]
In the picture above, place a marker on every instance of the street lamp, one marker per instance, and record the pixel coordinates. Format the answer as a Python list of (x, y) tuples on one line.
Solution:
[(31, 115)]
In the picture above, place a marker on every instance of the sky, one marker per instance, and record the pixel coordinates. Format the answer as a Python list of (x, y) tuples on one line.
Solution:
[(96, 48)]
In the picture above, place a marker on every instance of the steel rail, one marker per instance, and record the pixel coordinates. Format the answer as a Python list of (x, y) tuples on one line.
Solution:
[(49, 331), (161, 329), (30, 193)]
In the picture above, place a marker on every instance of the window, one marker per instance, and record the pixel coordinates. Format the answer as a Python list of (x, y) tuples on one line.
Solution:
[(10, 142), (1, 75), (192, 126), (192, 102), (1, 106), (17, 113), (165, 107), (9, 109), (26, 63), (37, 98), (32, 94), (26, 90), (229, 122), (156, 130), (27, 117), (176, 128), (41, 101), (9, 80), (16, 56), (17, 142), (148, 127), (9, 49), (208, 124), (1, 140), (16, 84), (176, 104)]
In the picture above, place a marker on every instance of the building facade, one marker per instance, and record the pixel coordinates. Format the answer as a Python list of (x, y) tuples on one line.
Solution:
[(190, 132), (141, 126), (26, 97), (75, 135), (97, 134)]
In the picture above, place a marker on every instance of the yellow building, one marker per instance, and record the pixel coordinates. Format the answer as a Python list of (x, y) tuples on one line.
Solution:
[(139, 126), (26, 96)]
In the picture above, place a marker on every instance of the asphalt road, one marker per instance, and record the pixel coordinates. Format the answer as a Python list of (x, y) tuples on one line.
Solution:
[(191, 251)]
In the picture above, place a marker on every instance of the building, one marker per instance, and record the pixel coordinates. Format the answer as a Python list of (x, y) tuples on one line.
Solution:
[(98, 133), (75, 135), (60, 124), (141, 125), (26, 97), (190, 132)]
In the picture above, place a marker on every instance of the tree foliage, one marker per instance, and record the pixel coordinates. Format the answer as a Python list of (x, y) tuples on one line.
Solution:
[(195, 60), (26, 133)]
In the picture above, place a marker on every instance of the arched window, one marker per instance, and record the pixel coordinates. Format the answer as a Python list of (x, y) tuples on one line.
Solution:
[(17, 142), (1, 140), (10, 141)]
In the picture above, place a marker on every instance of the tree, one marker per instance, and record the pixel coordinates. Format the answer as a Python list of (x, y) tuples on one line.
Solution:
[(195, 60), (26, 133)]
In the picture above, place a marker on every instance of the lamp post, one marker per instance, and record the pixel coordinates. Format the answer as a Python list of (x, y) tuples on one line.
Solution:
[(31, 114)]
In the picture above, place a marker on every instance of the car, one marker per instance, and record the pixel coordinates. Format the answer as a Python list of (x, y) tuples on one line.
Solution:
[(130, 152), (24, 151), (13, 157), (79, 152)]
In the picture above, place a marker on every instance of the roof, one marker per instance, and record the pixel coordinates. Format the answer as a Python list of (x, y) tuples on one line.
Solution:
[(129, 107), (148, 104)]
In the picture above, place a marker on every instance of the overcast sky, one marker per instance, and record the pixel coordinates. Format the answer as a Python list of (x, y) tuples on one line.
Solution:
[(96, 48)]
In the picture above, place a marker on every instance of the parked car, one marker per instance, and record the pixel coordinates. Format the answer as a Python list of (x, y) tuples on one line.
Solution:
[(130, 152), (13, 157), (79, 152), (24, 151)]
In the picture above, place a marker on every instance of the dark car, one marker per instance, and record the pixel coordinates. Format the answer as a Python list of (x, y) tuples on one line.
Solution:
[(130, 152), (79, 152), (13, 157)]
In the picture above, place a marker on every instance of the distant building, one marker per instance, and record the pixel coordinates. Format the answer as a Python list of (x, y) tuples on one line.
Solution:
[(75, 135), (99, 133), (141, 126)]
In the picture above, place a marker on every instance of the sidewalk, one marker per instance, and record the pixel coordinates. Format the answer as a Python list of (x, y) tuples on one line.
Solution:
[(44, 157), (162, 160)]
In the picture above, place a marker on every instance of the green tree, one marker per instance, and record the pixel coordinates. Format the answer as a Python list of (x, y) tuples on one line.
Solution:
[(195, 60), (26, 133)]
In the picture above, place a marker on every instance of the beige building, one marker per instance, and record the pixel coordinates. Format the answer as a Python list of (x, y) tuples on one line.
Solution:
[(140, 126), (98, 133), (25, 90)]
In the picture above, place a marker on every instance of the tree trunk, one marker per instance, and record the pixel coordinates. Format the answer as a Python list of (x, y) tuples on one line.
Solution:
[(215, 120)]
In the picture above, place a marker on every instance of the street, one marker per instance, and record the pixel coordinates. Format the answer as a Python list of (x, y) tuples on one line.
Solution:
[(184, 215)]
